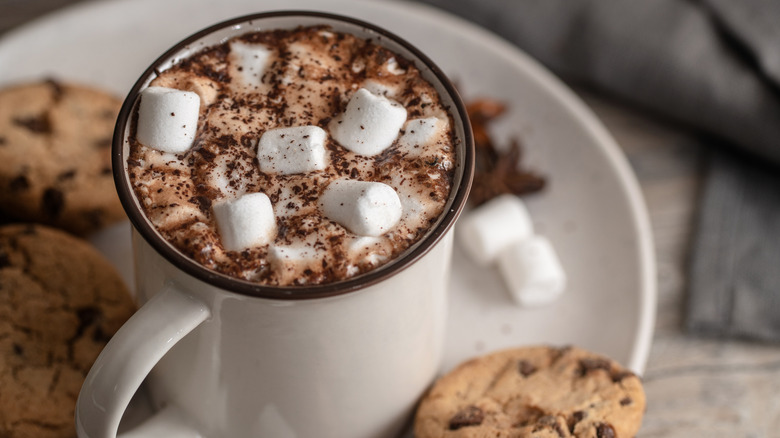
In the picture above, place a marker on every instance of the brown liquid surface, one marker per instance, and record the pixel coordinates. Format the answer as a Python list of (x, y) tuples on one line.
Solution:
[(310, 76)]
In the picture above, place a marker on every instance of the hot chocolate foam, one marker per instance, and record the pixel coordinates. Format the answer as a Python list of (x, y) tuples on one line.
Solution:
[(305, 77)]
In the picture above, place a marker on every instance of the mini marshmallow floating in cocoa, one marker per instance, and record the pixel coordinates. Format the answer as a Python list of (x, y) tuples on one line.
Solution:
[(297, 149), (369, 124), (168, 119), (364, 208)]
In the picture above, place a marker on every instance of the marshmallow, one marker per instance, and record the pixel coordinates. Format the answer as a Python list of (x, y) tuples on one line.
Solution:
[(370, 123), (250, 61), (362, 207), (168, 119), (394, 68), (420, 132), (299, 149), (380, 88), (245, 222), (532, 271), (491, 227), (294, 253), (367, 250)]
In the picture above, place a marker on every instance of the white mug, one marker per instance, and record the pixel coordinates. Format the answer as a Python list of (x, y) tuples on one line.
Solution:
[(229, 358)]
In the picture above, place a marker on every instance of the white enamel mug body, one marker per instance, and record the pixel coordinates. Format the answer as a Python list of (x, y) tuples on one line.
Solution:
[(228, 358)]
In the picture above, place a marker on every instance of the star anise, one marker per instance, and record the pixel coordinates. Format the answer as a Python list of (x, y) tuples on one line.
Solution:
[(497, 173)]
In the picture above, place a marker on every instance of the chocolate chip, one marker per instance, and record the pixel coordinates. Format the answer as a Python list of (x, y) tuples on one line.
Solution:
[(53, 202), (604, 431), (87, 316), (626, 401), (106, 171), (56, 89), (4, 259), (557, 353), (550, 421), (526, 368), (470, 416), (19, 183), (95, 218), (619, 376), (575, 418), (100, 336), (103, 143), (593, 363), (18, 350), (68, 174), (3, 141), (38, 125)]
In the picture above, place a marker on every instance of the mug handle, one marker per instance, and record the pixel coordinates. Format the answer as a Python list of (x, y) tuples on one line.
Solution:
[(129, 356)]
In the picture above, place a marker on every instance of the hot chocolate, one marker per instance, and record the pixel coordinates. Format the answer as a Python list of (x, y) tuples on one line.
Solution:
[(292, 157)]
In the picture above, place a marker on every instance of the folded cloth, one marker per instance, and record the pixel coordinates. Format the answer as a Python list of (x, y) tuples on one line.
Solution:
[(713, 65), (735, 269)]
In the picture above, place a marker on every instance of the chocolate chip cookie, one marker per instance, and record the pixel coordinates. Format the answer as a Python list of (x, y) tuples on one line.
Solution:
[(60, 302), (55, 156), (534, 392)]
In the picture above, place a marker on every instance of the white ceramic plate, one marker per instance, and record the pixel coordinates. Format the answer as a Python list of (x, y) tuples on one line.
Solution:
[(592, 210)]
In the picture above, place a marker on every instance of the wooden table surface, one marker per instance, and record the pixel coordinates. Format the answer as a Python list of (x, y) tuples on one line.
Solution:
[(696, 387)]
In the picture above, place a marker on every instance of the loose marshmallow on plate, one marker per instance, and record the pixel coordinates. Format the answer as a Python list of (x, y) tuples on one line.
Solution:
[(249, 61), (370, 123), (491, 227), (298, 149), (245, 222), (532, 271), (168, 119), (364, 208)]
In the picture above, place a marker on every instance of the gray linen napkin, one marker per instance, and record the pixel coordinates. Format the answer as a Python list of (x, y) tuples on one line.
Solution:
[(713, 65)]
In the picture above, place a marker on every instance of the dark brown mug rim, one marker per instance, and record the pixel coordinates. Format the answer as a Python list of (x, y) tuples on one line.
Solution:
[(244, 287)]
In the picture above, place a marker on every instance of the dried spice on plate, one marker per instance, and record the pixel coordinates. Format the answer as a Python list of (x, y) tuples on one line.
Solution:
[(497, 172)]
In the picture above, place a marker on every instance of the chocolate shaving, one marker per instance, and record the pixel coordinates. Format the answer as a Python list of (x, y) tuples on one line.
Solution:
[(203, 203), (497, 173)]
